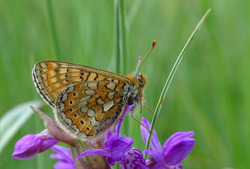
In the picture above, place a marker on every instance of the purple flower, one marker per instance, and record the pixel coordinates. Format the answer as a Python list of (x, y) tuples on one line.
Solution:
[(30, 145), (133, 159), (118, 149), (64, 155), (174, 150)]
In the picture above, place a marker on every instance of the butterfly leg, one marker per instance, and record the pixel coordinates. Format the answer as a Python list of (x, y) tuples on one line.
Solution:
[(135, 120), (148, 107), (132, 113), (140, 93), (140, 123)]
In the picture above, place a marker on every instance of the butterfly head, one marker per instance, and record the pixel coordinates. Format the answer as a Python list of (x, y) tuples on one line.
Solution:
[(141, 80), (138, 80)]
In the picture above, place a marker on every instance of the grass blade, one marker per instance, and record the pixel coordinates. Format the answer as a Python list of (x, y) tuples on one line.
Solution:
[(121, 47), (170, 77)]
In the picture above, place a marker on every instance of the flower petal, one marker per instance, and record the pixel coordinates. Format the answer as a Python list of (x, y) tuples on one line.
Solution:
[(155, 143), (120, 146), (94, 152), (178, 152), (119, 122), (47, 143), (47, 140), (63, 152), (153, 165), (156, 155), (177, 147), (30, 145), (133, 159), (65, 158), (159, 166), (110, 137), (144, 131), (27, 147), (110, 161), (177, 136), (63, 165)]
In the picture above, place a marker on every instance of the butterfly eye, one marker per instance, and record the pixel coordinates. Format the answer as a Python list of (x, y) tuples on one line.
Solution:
[(141, 78)]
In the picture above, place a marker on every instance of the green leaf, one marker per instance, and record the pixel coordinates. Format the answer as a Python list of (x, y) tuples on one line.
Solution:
[(17, 116)]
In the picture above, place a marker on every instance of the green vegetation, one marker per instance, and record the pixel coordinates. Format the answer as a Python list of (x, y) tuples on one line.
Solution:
[(209, 94)]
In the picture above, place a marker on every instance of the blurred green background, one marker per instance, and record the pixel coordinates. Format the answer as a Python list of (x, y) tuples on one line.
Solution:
[(210, 93)]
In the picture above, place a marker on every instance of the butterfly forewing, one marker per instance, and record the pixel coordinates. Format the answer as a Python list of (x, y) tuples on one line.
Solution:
[(51, 77)]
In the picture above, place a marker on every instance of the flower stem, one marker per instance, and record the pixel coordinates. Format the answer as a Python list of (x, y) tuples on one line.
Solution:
[(170, 77)]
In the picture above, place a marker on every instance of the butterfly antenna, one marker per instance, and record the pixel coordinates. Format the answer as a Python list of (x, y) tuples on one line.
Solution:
[(140, 62)]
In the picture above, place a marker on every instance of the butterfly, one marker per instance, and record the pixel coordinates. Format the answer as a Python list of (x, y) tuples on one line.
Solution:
[(87, 101)]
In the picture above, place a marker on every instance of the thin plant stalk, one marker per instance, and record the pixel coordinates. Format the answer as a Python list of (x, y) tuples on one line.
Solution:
[(170, 77), (121, 38), (121, 47), (53, 29)]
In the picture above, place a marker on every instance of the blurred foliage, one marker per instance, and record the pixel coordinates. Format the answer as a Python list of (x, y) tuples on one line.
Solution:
[(209, 93)]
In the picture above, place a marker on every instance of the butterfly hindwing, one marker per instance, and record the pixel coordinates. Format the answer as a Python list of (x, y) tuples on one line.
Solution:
[(88, 108)]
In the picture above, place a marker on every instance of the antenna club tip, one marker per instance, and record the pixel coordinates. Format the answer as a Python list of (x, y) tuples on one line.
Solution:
[(154, 43)]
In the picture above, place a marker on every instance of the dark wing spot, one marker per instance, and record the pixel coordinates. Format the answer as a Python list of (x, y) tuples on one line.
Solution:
[(82, 122)]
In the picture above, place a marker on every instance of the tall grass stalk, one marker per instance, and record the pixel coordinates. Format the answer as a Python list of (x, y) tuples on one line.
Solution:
[(170, 77), (121, 48), (53, 29)]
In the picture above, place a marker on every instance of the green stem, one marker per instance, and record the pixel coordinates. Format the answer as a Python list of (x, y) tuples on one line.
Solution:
[(121, 48), (170, 77), (53, 29), (121, 39)]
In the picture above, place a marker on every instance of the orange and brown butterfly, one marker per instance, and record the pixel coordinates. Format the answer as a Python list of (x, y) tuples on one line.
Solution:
[(86, 101)]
